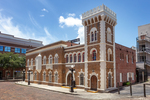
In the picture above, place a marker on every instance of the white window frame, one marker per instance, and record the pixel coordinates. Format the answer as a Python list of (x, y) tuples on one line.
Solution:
[(132, 76), (93, 30), (56, 58), (120, 77), (80, 78), (127, 58), (50, 59), (31, 61), (44, 76), (50, 76), (109, 35)]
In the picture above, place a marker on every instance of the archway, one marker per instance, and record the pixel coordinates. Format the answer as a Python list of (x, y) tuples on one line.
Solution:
[(93, 82), (69, 79)]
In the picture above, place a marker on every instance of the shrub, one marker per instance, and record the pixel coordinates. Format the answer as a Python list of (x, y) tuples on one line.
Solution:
[(126, 83)]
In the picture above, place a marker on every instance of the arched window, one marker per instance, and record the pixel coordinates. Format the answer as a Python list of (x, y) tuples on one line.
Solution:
[(74, 57), (92, 38), (56, 77), (81, 79), (79, 57), (83, 57), (109, 55), (66, 58), (50, 76), (35, 75), (95, 35), (109, 35), (28, 62), (50, 59), (56, 58), (44, 60), (70, 58), (35, 62), (31, 61), (94, 55), (44, 76)]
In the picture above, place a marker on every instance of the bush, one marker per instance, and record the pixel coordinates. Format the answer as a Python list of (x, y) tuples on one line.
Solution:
[(126, 83)]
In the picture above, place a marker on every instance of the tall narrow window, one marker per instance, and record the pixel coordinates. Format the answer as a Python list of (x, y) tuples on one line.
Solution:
[(132, 59), (109, 55), (127, 59), (83, 57), (44, 60), (109, 35), (94, 55), (132, 76), (120, 77), (66, 58), (28, 62), (74, 57), (44, 76), (79, 57), (56, 58), (95, 35), (31, 61), (56, 77), (71, 58), (35, 76), (92, 36), (50, 77), (50, 59), (81, 79)]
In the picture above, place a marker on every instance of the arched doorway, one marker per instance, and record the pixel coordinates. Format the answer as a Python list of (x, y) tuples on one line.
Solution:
[(109, 80), (69, 79), (93, 82)]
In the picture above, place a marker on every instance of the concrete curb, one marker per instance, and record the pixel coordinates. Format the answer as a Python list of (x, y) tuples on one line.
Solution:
[(47, 89)]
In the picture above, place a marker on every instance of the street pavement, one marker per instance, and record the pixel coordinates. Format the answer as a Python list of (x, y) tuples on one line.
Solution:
[(12, 91)]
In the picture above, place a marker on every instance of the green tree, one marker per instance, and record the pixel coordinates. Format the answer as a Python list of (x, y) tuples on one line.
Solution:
[(11, 60)]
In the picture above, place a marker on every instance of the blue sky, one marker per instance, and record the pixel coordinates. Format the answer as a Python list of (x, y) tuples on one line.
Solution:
[(54, 20)]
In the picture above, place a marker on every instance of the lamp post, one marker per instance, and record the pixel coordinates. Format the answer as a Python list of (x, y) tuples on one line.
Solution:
[(71, 69), (23, 74), (29, 76)]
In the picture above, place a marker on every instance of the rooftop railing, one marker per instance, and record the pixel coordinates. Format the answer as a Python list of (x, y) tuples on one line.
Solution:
[(143, 37)]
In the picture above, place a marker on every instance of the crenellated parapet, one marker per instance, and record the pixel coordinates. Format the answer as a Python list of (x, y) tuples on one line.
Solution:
[(96, 14)]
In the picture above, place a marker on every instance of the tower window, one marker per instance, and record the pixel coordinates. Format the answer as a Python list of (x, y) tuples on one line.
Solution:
[(79, 57), (94, 55), (95, 35), (92, 36), (74, 57), (83, 57), (71, 58)]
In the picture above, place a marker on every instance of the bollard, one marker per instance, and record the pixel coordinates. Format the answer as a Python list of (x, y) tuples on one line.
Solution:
[(144, 90), (130, 89), (118, 89)]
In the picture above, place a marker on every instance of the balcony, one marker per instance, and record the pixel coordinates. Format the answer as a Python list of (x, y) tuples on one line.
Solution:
[(143, 38), (143, 50)]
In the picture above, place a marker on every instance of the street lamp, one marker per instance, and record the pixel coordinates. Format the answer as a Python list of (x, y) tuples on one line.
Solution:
[(71, 69), (29, 76), (23, 74)]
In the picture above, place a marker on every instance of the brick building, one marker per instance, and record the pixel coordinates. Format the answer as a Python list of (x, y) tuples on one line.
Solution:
[(125, 64), (94, 62), (9, 43)]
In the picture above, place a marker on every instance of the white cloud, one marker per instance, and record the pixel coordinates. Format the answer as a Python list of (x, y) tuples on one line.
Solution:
[(42, 15), (71, 21), (7, 26), (44, 10), (73, 14), (34, 22)]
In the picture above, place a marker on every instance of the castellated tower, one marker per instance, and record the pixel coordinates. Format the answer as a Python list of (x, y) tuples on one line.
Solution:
[(99, 31)]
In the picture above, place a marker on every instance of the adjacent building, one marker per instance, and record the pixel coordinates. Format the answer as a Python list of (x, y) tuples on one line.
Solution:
[(143, 52), (97, 63), (9, 43)]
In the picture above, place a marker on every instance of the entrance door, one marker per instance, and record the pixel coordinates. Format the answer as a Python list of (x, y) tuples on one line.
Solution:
[(0, 75), (109, 80), (69, 80), (93, 82)]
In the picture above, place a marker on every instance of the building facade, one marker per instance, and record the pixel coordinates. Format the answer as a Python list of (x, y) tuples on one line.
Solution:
[(9, 43), (143, 50), (125, 64), (94, 62)]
